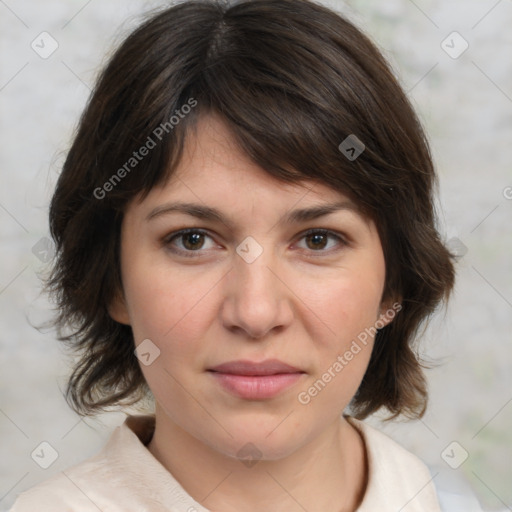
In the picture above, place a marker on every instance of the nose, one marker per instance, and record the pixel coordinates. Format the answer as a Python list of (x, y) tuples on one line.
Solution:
[(257, 298)]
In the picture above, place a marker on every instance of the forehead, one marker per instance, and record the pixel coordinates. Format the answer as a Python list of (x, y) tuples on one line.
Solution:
[(213, 161), (216, 180)]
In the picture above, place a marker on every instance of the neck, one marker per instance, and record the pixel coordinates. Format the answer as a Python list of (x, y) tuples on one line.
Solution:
[(328, 473)]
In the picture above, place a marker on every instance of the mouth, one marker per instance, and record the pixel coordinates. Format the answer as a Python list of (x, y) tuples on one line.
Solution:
[(256, 380)]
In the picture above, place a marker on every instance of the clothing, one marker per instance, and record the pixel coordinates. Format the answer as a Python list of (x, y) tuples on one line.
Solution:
[(125, 477)]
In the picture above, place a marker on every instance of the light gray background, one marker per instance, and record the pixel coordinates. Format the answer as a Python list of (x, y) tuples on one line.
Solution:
[(466, 106)]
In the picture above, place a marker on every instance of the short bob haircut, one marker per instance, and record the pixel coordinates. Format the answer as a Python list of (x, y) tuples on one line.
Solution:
[(292, 80)]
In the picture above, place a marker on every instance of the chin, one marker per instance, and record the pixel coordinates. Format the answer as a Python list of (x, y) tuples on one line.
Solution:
[(258, 440)]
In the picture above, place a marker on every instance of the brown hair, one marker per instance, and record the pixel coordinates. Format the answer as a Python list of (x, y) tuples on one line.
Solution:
[(292, 79)]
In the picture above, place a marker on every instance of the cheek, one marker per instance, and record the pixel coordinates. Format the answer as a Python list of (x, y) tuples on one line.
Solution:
[(345, 304), (349, 307), (163, 302), (171, 310)]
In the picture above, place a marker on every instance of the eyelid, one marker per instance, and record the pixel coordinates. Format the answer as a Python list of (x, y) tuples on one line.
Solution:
[(342, 239), (166, 241)]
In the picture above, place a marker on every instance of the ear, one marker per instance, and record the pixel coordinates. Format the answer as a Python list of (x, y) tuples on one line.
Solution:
[(389, 308), (118, 311)]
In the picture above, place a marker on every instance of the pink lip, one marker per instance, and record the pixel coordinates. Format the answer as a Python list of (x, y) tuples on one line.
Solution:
[(256, 381)]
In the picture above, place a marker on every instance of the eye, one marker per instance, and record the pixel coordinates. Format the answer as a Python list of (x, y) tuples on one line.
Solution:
[(192, 242), (189, 241), (320, 240)]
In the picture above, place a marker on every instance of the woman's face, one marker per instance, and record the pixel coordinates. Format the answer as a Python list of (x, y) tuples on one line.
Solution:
[(249, 326)]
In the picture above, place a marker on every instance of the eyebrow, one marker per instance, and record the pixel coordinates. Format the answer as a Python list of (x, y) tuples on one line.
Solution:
[(212, 214)]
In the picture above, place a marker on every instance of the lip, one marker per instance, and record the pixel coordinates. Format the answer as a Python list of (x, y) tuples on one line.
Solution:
[(252, 368), (256, 380)]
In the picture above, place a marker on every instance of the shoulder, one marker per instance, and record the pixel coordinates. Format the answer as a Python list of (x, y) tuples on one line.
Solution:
[(386, 454), (398, 478), (64, 491), (123, 476), (98, 482)]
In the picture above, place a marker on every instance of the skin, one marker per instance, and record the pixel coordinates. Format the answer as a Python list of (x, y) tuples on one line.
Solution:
[(302, 301)]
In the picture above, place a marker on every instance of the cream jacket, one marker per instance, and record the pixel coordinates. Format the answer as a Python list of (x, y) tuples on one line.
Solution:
[(125, 477)]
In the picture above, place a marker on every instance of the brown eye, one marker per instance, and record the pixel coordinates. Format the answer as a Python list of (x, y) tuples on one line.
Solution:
[(188, 242), (318, 240), (192, 241)]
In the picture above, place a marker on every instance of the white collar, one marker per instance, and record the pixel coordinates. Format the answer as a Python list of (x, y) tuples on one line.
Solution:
[(124, 476), (397, 479)]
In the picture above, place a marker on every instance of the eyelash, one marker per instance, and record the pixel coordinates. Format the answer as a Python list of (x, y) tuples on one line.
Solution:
[(167, 241)]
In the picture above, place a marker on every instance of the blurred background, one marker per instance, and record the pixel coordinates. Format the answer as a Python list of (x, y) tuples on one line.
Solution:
[(454, 60)]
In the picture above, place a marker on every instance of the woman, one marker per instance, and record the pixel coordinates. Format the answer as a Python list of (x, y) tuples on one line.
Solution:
[(246, 234)]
